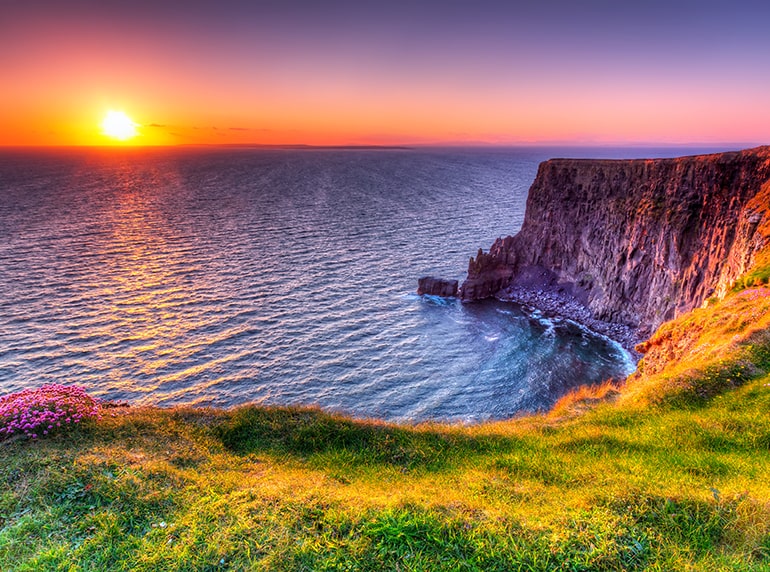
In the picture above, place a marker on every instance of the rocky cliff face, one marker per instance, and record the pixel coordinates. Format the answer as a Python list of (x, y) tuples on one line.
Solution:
[(637, 242)]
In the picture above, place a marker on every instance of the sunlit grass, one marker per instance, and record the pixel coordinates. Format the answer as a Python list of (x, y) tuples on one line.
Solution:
[(668, 472)]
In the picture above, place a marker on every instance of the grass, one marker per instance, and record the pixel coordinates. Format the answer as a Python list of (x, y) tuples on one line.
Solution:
[(668, 472)]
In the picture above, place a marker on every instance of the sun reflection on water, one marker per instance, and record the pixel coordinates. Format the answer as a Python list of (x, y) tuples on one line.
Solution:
[(148, 281)]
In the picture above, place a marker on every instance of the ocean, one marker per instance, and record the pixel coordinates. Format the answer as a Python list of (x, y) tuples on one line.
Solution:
[(222, 276)]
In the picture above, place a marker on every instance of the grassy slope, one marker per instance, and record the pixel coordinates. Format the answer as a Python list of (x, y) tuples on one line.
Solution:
[(671, 474)]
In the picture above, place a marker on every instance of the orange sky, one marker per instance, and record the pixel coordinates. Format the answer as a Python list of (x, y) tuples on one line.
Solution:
[(280, 73)]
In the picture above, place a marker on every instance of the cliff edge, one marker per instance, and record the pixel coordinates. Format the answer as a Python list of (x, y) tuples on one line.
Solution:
[(636, 242)]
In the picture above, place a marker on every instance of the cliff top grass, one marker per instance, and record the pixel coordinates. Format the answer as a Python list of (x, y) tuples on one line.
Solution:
[(668, 472)]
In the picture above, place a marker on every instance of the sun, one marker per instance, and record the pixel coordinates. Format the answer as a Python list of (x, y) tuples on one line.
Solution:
[(118, 125)]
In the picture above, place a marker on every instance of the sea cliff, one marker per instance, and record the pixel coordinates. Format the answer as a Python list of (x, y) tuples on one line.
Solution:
[(635, 242)]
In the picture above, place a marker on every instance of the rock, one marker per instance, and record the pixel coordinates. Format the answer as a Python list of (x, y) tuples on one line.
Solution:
[(637, 242), (437, 287)]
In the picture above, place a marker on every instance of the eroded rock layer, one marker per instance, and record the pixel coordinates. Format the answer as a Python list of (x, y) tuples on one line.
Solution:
[(636, 241)]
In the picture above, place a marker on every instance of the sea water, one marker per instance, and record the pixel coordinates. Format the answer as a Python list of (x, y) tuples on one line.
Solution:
[(215, 276)]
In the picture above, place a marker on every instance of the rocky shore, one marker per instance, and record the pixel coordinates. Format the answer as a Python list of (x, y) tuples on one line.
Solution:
[(561, 305)]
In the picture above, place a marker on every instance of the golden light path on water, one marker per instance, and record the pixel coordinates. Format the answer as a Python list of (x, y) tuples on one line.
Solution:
[(153, 308)]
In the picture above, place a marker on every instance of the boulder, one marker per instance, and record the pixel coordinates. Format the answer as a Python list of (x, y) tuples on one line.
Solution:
[(437, 287)]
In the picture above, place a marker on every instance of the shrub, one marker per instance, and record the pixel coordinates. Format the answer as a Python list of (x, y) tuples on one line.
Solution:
[(38, 412)]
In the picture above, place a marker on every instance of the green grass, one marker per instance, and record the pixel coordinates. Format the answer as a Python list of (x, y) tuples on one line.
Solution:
[(261, 489), (758, 275), (666, 473)]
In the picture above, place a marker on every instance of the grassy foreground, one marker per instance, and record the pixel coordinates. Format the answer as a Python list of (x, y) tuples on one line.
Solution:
[(669, 472)]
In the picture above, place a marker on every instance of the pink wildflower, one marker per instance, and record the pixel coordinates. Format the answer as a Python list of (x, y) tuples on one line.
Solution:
[(43, 408)]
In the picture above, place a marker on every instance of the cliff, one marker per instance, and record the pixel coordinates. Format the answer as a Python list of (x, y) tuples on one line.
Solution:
[(637, 242)]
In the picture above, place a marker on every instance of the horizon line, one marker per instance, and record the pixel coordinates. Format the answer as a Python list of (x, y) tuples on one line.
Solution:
[(404, 146)]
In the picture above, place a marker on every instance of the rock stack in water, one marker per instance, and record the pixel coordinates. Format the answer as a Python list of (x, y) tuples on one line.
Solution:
[(437, 287)]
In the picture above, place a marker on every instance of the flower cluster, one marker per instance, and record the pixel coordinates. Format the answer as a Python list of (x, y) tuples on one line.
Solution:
[(755, 293), (38, 412)]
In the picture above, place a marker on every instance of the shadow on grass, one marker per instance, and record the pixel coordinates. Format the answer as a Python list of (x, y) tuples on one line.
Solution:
[(302, 432)]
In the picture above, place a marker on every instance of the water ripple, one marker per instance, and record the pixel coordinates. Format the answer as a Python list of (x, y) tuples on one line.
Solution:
[(284, 277)]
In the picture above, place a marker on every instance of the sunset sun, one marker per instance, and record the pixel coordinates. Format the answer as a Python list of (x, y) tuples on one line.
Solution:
[(118, 125)]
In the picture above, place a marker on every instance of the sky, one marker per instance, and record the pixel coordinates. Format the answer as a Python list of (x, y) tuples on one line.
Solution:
[(396, 72)]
